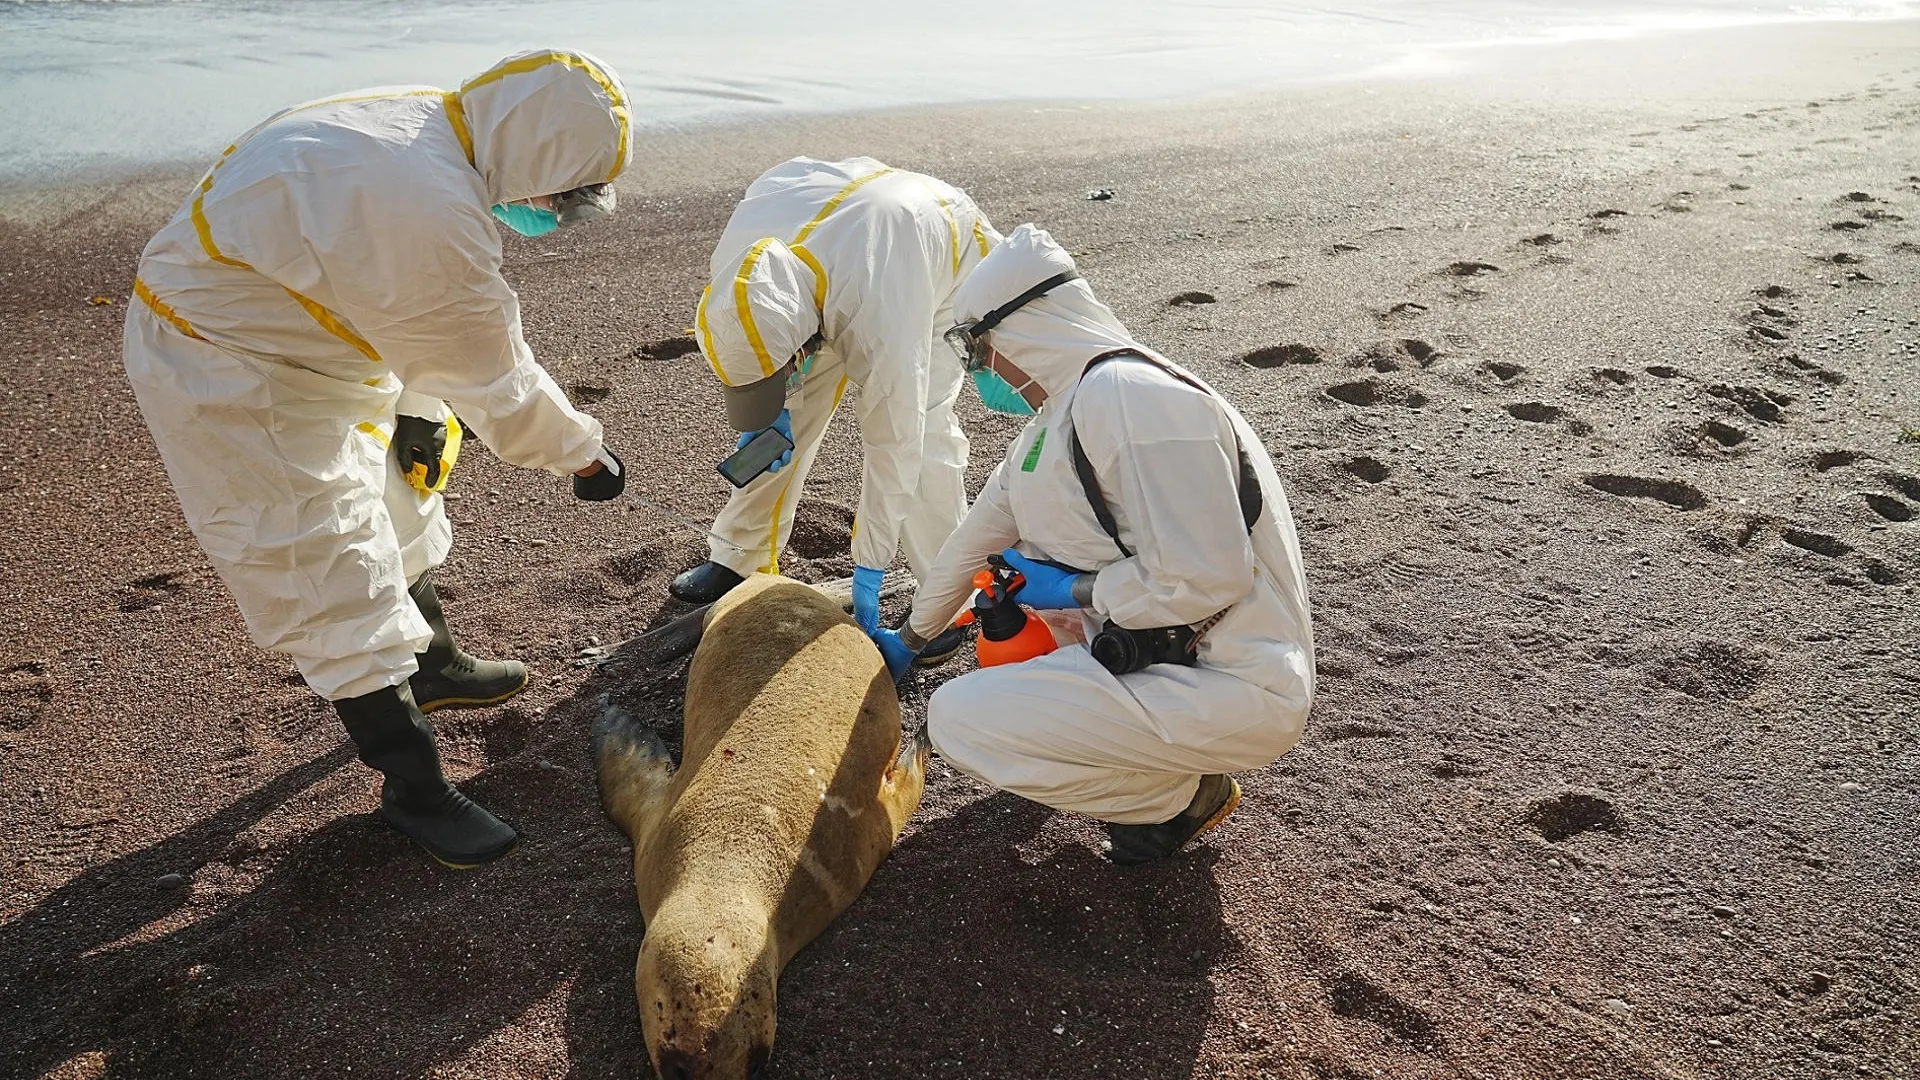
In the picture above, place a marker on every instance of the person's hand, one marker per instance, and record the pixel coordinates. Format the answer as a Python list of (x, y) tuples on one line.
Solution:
[(893, 651), (1048, 587), (602, 479), (784, 425), (866, 598), (421, 447)]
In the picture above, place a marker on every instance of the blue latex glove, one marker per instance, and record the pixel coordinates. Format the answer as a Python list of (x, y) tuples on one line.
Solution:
[(866, 598), (894, 652), (1047, 587), (784, 425)]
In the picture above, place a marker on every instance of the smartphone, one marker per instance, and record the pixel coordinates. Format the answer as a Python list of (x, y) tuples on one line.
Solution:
[(751, 460)]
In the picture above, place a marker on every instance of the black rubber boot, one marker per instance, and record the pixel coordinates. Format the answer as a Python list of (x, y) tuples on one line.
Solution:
[(395, 738), (942, 647), (449, 678), (704, 583), (1131, 845)]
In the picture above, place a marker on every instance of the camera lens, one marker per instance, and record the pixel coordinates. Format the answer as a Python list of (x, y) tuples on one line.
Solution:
[(1114, 650)]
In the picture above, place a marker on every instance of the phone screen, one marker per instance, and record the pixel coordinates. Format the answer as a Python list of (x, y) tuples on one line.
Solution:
[(751, 460)]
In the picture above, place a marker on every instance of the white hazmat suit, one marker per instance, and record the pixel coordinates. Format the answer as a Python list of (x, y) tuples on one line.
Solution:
[(339, 263), (1060, 729), (868, 257)]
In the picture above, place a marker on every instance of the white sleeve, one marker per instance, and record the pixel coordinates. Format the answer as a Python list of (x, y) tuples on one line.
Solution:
[(426, 293), (420, 405), (1163, 453), (988, 529)]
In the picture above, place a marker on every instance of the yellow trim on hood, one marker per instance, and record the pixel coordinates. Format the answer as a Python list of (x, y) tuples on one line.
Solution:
[(746, 312), (621, 113)]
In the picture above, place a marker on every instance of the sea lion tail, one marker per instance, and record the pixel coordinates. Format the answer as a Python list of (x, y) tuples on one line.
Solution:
[(634, 769)]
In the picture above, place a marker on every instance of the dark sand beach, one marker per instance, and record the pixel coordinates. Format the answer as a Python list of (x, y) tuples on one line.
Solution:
[(1592, 377)]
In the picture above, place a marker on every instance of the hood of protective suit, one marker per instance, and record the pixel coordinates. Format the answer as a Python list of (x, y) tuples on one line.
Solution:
[(751, 322), (1053, 337), (547, 121)]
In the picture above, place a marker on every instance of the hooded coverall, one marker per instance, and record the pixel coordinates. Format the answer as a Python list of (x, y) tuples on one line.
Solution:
[(1060, 729), (338, 263), (868, 257)]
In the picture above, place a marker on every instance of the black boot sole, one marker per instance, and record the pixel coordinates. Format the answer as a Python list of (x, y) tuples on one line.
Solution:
[(462, 861), (944, 647), (1170, 841), (456, 702)]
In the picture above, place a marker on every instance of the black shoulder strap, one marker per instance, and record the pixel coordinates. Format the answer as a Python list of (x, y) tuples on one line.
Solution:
[(1252, 503)]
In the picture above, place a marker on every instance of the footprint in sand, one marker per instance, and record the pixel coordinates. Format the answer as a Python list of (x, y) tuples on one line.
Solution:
[(1570, 813), (1905, 485), (1769, 335), (1612, 376), (1406, 354), (1535, 412), (1340, 249), (1370, 392), (1406, 309), (1469, 268), (1776, 292), (1759, 404), (24, 695), (1857, 197), (1602, 215), (1273, 356), (1712, 439), (1819, 543), (1353, 997), (1829, 460), (666, 348), (1545, 239), (1847, 226), (1279, 284), (1663, 371), (153, 590), (1881, 215), (1678, 203), (1675, 493), (1842, 258), (1800, 365), (585, 394), (1503, 371), (1888, 507), (1191, 298), (1368, 469), (1712, 671)]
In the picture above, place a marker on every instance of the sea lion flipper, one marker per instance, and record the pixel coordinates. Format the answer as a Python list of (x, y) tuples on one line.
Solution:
[(906, 778), (634, 769)]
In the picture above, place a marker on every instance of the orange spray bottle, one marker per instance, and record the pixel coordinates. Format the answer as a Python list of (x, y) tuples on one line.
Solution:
[(1009, 633)]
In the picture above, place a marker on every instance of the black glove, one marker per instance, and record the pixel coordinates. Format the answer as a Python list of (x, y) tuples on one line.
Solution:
[(421, 446), (606, 484)]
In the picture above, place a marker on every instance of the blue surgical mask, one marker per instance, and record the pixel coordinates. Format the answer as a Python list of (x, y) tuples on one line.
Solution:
[(999, 395), (526, 220)]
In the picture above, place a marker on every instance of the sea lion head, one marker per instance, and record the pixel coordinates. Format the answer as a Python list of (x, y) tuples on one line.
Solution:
[(705, 985)]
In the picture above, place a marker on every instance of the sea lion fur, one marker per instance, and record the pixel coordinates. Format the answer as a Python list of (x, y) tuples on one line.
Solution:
[(794, 783)]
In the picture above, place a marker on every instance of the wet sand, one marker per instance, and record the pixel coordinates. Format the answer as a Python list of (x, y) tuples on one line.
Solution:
[(1591, 377)]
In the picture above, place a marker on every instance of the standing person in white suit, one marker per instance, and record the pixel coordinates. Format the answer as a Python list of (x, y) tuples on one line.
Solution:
[(1168, 547), (308, 324), (830, 274)]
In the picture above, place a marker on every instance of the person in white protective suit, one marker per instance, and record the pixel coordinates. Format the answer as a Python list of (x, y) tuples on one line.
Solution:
[(830, 274), (309, 323), (1139, 730)]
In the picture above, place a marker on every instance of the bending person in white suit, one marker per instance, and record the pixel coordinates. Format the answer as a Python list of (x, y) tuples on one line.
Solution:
[(830, 274), (1149, 523), (309, 322)]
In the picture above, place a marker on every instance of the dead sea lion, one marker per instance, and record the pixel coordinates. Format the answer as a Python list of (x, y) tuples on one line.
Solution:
[(795, 781)]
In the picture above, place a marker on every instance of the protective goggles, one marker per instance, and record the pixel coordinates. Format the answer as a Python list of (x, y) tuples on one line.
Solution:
[(589, 203), (968, 339)]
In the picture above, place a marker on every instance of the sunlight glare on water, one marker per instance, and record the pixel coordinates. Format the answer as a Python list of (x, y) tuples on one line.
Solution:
[(99, 83)]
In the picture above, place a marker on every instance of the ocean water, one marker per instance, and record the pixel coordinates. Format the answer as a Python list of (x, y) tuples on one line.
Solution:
[(91, 84)]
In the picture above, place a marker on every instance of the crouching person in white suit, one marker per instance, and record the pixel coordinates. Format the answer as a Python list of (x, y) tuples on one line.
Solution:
[(1172, 521)]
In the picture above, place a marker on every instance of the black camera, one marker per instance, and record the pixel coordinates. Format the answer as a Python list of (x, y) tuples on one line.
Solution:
[(1123, 651)]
